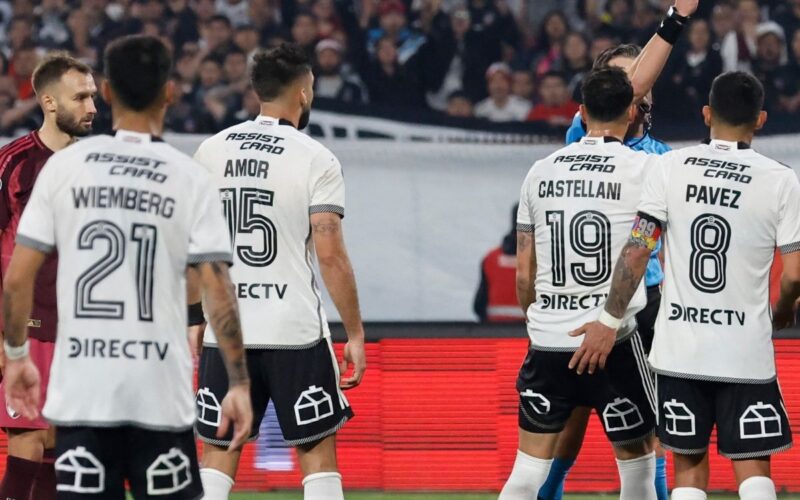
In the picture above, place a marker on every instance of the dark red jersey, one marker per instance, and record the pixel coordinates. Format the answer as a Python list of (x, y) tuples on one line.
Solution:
[(20, 164)]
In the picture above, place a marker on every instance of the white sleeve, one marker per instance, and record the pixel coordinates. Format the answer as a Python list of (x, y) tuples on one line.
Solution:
[(202, 155), (525, 210), (209, 240), (327, 185), (36, 227), (788, 238), (654, 191)]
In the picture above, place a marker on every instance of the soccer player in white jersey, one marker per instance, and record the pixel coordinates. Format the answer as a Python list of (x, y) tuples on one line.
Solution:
[(724, 208), (129, 216), (283, 196), (575, 211)]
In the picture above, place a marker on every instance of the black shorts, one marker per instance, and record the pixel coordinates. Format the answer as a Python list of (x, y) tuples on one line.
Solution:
[(303, 385), (94, 462), (622, 394), (751, 419), (646, 318)]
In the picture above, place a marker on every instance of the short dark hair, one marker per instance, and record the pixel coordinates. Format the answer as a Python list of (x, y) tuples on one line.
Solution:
[(275, 69), (554, 74), (607, 93), (737, 98), (137, 68), (53, 67), (623, 50), (220, 18)]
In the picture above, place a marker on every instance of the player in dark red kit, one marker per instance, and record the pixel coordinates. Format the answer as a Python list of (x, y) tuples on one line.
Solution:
[(65, 89)]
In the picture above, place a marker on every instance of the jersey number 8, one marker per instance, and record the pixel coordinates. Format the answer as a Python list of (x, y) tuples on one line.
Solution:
[(710, 239)]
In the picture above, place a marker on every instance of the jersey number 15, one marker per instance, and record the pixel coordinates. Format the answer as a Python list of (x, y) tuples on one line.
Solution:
[(239, 206)]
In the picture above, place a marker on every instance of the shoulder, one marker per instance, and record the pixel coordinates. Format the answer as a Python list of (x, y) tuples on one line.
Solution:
[(313, 147), (15, 149)]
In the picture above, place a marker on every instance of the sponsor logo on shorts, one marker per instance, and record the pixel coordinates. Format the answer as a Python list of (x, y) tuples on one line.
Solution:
[(622, 415), (169, 473), (209, 411), (79, 471), (680, 419), (313, 405), (536, 401), (760, 421)]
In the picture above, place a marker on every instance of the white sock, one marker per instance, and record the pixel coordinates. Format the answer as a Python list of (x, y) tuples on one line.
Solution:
[(323, 486), (757, 488), (688, 494), (217, 485), (527, 476), (637, 478)]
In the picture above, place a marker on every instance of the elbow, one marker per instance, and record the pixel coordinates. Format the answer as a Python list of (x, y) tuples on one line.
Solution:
[(332, 260)]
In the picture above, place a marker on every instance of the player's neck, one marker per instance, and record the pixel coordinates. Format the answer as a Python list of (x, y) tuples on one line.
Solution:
[(618, 131), (732, 134), (53, 137), (143, 122), (276, 110)]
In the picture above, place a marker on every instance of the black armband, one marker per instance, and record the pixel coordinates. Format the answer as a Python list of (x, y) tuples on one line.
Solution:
[(196, 316), (671, 26)]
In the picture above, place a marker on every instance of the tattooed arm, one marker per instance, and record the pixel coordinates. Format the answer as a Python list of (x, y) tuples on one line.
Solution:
[(599, 337), (526, 270), (337, 273), (223, 314)]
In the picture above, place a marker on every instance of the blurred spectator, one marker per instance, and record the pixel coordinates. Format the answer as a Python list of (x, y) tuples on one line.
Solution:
[(327, 20), (790, 76), (496, 297), (523, 85), (209, 79), (575, 62), (739, 46), (389, 82), (645, 20), (216, 36), (182, 22), (555, 106), (263, 17), (788, 16), (236, 11), (53, 32), (24, 61), (770, 62), (722, 22), (459, 105), (393, 23), (554, 30), (247, 39), (616, 20), (304, 32), (19, 33), (599, 45), (331, 81), (501, 105), (695, 71)]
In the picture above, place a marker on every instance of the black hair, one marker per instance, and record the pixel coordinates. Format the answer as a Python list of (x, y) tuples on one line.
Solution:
[(737, 98), (53, 67), (607, 93), (554, 74), (624, 50), (458, 94), (222, 19), (275, 69), (137, 68)]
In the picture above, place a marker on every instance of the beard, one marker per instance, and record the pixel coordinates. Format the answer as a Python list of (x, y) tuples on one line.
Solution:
[(72, 126), (304, 117)]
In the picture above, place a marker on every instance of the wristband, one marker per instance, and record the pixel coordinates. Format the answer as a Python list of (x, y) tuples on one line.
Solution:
[(609, 320), (14, 353), (671, 26), (196, 316)]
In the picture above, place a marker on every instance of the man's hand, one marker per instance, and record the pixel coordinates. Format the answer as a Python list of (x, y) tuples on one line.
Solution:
[(597, 344), (782, 317), (355, 355), (22, 387), (195, 334), (686, 8), (236, 409)]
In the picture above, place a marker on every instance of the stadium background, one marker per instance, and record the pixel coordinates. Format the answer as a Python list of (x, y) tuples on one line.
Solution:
[(430, 184)]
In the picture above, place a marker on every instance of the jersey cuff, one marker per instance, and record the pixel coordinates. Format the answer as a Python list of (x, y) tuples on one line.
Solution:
[(790, 248), (199, 258), (320, 209), (524, 228), (34, 243)]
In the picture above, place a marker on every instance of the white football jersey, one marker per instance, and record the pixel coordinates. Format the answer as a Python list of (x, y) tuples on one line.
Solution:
[(271, 178), (126, 214), (580, 203), (724, 209)]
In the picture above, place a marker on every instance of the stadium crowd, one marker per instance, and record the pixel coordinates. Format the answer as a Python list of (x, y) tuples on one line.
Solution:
[(500, 60)]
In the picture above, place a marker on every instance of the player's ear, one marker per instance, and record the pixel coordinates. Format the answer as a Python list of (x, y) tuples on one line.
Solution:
[(49, 103), (707, 115), (761, 120), (582, 110), (633, 112), (169, 93), (105, 91)]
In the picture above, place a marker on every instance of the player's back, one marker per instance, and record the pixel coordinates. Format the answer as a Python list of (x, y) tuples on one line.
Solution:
[(723, 205), (127, 215), (581, 201), (272, 177)]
